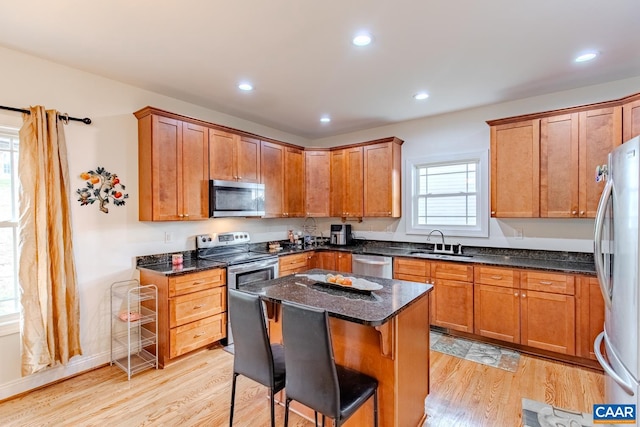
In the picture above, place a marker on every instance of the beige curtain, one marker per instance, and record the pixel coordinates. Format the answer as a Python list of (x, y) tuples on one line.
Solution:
[(47, 275)]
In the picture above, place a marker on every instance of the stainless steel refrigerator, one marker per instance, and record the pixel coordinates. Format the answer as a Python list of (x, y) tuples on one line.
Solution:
[(616, 256)]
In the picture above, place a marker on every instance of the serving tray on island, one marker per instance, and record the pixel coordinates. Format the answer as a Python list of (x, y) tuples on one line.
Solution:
[(343, 287)]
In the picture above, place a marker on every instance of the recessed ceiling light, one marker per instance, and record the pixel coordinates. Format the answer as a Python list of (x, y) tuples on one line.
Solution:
[(586, 57), (421, 95), (325, 119), (245, 86), (362, 39)]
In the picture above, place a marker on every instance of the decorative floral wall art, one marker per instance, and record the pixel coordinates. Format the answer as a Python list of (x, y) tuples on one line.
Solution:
[(101, 186)]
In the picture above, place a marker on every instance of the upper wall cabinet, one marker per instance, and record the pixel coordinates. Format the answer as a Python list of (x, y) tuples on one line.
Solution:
[(233, 157), (571, 147), (173, 175), (294, 202), (543, 165), (272, 171), (515, 163), (317, 182), (347, 182), (631, 118), (382, 184)]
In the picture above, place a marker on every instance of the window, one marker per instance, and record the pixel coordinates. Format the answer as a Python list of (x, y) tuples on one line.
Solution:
[(9, 295), (450, 193)]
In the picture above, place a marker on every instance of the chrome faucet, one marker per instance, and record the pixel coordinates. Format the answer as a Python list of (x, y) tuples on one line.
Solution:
[(435, 230)]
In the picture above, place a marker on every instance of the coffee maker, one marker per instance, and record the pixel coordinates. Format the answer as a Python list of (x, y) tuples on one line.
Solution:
[(340, 234)]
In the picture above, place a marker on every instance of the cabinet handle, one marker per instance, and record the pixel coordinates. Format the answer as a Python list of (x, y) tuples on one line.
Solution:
[(524, 295), (515, 294), (199, 334), (389, 213), (198, 307), (186, 215), (180, 216), (574, 212), (581, 213), (199, 282), (493, 212), (239, 178), (496, 277), (543, 282)]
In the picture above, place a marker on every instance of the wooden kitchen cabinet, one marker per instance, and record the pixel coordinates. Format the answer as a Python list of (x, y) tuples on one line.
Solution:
[(294, 202), (497, 303), (292, 264), (173, 177), (515, 169), (334, 260), (347, 183), (547, 315), (589, 315), (233, 157), (382, 181), (452, 296), (191, 311), (411, 269), (631, 118), (317, 182)]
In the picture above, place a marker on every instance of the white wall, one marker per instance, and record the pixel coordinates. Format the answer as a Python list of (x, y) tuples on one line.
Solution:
[(105, 245), (467, 131)]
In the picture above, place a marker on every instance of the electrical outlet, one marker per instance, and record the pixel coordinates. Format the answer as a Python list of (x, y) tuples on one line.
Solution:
[(168, 237), (519, 234)]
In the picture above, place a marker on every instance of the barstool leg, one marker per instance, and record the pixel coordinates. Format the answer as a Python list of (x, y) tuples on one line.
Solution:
[(286, 412), (233, 397), (375, 408), (315, 415), (273, 413)]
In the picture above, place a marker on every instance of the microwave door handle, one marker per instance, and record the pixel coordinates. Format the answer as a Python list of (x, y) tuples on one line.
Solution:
[(597, 242)]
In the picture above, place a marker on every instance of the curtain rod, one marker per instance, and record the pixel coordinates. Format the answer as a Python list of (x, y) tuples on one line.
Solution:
[(86, 120)]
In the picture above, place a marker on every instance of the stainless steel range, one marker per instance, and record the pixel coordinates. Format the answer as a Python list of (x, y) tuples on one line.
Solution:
[(243, 265)]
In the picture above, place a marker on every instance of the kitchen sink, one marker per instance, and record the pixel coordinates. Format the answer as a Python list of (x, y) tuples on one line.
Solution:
[(436, 255)]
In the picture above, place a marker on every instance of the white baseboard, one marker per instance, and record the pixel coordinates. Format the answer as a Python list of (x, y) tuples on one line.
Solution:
[(76, 365)]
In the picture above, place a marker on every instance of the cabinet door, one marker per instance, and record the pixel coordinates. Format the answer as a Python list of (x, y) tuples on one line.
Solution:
[(559, 166), (354, 183), (312, 260), (195, 172), (515, 170), (343, 262), (294, 183), (166, 173), (327, 260), (247, 159), (221, 155), (317, 182), (452, 305), (589, 315), (381, 175), (600, 133), (272, 171), (548, 321), (338, 180), (497, 312), (630, 120)]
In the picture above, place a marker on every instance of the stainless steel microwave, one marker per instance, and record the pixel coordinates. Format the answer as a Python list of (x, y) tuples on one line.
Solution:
[(230, 198)]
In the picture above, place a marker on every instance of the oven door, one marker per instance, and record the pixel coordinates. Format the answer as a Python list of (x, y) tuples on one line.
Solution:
[(243, 274)]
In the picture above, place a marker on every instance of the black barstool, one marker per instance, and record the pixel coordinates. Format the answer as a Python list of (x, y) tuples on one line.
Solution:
[(313, 378), (254, 356)]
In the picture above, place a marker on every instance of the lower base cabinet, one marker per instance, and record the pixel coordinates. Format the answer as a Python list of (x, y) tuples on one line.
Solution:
[(191, 311), (452, 296), (589, 315)]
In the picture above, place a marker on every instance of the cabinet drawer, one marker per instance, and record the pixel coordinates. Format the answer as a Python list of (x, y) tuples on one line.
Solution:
[(452, 271), (192, 336), (411, 266), (194, 282), (505, 277), (292, 264), (195, 306), (547, 282), (410, 278)]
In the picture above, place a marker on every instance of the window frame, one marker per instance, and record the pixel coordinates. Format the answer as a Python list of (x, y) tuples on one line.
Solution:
[(481, 229), (10, 323)]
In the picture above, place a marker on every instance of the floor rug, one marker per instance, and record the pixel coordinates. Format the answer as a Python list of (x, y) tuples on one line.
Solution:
[(539, 414), (486, 354)]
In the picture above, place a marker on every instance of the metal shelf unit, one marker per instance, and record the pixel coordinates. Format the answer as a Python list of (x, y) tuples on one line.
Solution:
[(134, 326)]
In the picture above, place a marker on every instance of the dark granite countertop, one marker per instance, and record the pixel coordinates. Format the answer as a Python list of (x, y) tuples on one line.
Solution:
[(373, 310), (189, 265)]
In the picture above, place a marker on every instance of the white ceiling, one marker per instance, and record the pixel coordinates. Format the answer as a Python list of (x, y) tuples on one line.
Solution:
[(299, 56)]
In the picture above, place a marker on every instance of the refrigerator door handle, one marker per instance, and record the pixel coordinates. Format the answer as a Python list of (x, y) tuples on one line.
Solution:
[(597, 345), (597, 242)]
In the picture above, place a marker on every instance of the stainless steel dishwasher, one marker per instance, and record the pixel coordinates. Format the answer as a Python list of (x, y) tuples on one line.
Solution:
[(372, 265)]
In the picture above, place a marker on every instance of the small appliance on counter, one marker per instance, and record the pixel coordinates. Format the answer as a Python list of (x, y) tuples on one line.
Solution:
[(341, 234)]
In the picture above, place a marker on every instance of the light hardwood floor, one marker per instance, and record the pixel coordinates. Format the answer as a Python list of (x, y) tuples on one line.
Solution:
[(195, 392)]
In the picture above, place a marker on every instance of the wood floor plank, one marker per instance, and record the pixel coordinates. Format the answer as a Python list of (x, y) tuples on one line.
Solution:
[(196, 392)]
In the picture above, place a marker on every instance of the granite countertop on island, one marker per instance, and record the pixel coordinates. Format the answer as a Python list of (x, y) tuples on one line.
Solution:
[(372, 310)]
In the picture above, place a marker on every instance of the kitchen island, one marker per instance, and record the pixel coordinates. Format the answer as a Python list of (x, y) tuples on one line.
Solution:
[(384, 334)]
